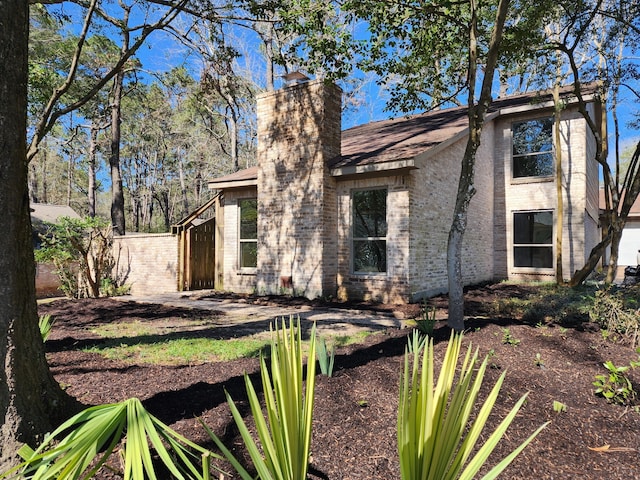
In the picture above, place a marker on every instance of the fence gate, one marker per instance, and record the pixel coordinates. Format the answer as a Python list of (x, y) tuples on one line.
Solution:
[(199, 265)]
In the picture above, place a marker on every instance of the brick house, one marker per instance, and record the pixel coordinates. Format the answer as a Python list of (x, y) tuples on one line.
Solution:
[(365, 212)]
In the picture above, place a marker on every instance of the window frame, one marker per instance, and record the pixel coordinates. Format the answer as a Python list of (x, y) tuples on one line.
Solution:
[(515, 157), (550, 245), (242, 240), (355, 238)]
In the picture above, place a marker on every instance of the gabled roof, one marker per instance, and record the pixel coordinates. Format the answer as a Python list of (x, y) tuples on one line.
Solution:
[(242, 178), (398, 141), (46, 212), (394, 144)]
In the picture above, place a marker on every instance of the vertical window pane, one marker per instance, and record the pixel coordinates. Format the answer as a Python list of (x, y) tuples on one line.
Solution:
[(248, 255), (370, 213), (533, 239), (533, 148), (370, 256), (248, 232), (249, 219), (369, 217)]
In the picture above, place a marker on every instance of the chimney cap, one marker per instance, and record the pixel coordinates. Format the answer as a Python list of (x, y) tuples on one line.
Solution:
[(297, 77)]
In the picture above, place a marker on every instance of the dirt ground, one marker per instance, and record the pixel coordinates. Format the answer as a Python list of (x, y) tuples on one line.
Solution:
[(354, 434)]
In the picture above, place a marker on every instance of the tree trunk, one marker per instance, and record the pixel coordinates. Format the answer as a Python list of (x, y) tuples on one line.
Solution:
[(458, 227), (612, 268), (558, 161), (31, 401), (117, 194), (466, 190), (91, 190)]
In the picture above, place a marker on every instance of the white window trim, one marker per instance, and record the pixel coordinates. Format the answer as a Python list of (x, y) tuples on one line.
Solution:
[(352, 256)]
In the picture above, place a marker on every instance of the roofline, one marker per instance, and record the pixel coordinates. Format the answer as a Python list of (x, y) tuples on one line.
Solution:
[(250, 182), (407, 163)]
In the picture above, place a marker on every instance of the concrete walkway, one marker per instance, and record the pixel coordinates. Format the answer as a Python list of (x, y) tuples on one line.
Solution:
[(328, 320)]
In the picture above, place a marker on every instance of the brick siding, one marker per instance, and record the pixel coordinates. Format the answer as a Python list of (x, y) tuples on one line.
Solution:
[(147, 262)]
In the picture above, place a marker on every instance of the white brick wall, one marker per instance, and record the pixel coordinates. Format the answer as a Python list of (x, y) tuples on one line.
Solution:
[(147, 262)]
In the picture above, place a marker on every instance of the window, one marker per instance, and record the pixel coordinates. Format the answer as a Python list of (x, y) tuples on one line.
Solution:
[(248, 237), (533, 148), (532, 239), (369, 220)]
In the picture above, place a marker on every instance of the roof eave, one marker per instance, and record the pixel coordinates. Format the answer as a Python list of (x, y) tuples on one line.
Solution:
[(252, 182), (373, 168)]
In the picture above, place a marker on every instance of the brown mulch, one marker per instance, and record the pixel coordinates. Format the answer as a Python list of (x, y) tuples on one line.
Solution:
[(354, 433)]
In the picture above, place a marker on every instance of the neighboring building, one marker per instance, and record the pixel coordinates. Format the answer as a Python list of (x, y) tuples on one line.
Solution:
[(629, 248), (47, 282), (365, 213)]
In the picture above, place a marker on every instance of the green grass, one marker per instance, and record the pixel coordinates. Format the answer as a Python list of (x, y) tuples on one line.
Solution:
[(143, 342), (183, 350)]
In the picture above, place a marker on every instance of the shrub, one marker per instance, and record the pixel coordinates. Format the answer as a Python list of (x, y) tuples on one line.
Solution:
[(612, 314), (426, 323), (93, 435), (285, 435), (616, 386), (81, 252), (434, 439)]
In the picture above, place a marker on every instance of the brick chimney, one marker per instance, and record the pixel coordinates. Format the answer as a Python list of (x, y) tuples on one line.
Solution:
[(299, 128)]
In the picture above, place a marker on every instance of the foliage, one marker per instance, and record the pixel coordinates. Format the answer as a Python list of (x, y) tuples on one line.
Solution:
[(508, 338), (81, 252), (615, 386), (285, 435), (326, 357), (434, 438), (94, 434), (616, 311), (559, 407), (427, 322), (45, 323)]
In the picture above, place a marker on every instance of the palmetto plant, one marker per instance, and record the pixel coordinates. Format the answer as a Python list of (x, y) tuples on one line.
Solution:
[(434, 439), (45, 323), (92, 436), (285, 433)]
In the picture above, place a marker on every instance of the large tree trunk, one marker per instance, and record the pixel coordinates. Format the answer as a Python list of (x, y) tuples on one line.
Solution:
[(117, 193), (466, 190), (31, 402)]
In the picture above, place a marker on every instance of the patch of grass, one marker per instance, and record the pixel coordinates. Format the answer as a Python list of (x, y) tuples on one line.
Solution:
[(183, 350), (345, 340), (143, 342)]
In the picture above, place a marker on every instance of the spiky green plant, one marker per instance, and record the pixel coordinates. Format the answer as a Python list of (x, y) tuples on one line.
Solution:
[(326, 357), (285, 435), (45, 323), (92, 435), (434, 439)]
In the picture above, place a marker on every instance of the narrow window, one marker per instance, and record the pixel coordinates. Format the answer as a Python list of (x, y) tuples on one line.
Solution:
[(533, 148), (369, 220), (248, 237), (532, 239)]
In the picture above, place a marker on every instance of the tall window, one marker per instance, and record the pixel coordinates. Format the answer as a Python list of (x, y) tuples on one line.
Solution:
[(248, 235), (369, 212), (532, 239), (533, 148)]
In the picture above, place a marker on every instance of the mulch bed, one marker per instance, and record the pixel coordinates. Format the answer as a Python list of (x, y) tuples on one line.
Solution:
[(355, 410)]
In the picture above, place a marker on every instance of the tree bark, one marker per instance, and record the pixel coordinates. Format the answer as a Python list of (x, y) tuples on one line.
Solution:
[(31, 401), (466, 190), (91, 189), (117, 193)]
